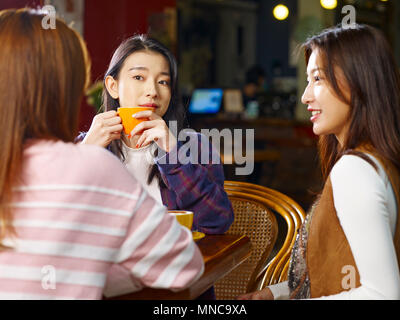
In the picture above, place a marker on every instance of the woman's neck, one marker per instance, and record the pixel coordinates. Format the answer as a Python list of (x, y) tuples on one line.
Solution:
[(341, 136)]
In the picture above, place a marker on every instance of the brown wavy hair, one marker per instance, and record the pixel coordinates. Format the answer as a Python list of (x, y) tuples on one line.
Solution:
[(367, 62), (43, 75)]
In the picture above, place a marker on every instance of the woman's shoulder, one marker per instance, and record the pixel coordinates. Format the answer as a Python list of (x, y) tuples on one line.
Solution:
[(97, 158), (93, 151), (72, 161), (75, 154), (357, 163), (87, 160), (355, 170), (99, 166)]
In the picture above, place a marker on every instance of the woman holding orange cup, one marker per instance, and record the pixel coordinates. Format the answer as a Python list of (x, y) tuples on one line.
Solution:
[(143, 73), (129, 122), (139, 82)]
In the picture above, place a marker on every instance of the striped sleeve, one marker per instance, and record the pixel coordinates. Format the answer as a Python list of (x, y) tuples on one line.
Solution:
[(157, 252)]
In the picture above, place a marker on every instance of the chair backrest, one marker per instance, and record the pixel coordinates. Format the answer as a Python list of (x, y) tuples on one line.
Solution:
[(261, 269), (254, 219)]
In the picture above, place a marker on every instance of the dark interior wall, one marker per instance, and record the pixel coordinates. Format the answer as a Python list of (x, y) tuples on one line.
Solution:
[(8, 4), (273, 36), (107, 24)]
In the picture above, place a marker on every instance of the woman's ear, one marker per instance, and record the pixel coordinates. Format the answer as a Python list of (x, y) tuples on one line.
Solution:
[(112, 87)]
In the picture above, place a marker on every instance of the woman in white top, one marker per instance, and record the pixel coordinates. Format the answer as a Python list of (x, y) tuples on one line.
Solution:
[(353, 94)]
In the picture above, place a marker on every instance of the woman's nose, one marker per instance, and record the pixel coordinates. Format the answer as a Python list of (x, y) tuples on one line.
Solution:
[(307, 96), (151, 89)]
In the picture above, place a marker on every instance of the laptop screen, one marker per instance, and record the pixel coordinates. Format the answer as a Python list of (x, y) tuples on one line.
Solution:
[(206, 101)]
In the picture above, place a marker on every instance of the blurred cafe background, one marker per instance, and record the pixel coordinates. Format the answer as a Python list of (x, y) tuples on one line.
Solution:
[(239, 67)]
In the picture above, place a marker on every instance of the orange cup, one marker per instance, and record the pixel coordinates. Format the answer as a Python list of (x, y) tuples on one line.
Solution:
[(129, 122), (185, 218)]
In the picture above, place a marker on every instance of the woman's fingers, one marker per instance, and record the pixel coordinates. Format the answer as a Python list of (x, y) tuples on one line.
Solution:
[(246, 296), (164, 141), (109, 122), (112, 121), (145, 125), (145, 114), (115, 136), (108, 114), (105, 128), (106, 119), (116, 128), (153, 130), (146, 138), (264, 294)]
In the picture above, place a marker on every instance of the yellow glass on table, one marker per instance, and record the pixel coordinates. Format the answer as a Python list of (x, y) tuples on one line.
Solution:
[(129, 122), (185, 218)]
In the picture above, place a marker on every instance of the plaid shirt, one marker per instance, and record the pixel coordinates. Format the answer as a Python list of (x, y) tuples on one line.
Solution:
[(195, 186)]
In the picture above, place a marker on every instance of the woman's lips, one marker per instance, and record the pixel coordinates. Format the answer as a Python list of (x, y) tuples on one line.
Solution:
[(149, 105), (315, 114), (314, 118)]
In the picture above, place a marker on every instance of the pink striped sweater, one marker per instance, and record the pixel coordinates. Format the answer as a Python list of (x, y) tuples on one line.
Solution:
[(85, 228)]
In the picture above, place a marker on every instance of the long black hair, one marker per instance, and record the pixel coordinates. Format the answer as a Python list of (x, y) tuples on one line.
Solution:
[(370, 70), (175, 112)]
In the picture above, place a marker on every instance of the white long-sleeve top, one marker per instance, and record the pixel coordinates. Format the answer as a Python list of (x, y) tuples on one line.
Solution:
[(139, 162), (366, 207)]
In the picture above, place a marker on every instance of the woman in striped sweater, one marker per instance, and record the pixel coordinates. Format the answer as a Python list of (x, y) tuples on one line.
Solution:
[(74, 223)]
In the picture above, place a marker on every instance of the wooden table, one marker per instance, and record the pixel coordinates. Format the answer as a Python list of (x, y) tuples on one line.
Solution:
[(221, 253)]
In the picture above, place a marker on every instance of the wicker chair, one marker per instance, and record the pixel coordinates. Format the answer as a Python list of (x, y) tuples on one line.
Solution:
[(255, 208)]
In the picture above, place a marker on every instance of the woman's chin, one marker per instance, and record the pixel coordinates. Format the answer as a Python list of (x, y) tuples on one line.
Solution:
[(317, 130)]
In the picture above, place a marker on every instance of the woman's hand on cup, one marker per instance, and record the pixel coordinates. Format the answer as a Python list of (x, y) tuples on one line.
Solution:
[(105, 128), (153, 129)]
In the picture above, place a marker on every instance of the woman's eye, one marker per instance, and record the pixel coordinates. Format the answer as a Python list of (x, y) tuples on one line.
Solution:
[(317, 78), (164, 82), (138, 77)]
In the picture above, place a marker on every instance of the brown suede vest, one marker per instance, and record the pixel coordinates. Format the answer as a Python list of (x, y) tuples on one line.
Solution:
[(328, 251)]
